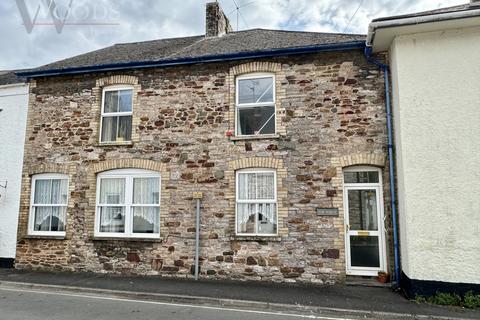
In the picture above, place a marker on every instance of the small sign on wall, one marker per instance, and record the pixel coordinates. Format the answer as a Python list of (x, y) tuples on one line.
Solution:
[(327, 212)]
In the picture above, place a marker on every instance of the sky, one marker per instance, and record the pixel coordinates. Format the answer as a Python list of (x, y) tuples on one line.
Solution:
[(94, 24)]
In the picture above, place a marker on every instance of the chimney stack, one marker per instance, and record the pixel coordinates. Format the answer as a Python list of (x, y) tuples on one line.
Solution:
[(217, 23)]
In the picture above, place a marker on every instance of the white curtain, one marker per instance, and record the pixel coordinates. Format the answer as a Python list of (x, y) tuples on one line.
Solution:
[(146, 191), (112, 217), (246, 217), (256, 186), (50, 192)]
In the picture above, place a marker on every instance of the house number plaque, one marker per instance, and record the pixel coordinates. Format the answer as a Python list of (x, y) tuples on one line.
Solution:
[(327, 212)]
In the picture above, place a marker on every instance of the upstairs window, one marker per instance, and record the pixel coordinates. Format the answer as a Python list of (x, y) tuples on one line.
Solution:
[(256, 202), (255, 105), (128, 203), (116, 122), (48, 204)]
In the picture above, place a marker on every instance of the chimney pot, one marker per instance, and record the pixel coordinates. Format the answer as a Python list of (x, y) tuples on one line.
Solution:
[(217, 23)]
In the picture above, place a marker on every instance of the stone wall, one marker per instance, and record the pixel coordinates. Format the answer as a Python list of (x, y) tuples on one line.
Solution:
[(331, 114)]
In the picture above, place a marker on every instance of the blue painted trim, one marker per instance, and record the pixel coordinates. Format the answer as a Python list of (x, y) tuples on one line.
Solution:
[(202, 59), (384, 67)]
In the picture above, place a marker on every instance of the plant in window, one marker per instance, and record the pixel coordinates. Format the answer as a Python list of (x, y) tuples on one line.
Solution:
[(128, 203), (255, 105), (256, 204), (116, 115), (48, 204)]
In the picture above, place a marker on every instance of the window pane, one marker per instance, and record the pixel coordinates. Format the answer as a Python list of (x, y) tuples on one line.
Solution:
[(59, 191), (247, 186), (361, 177), (112, 191), (146, 219), (112, 219), (267, 218), (362, 210), (124, 128), (125, 100), (246, 217), (43, 191), (256, 120), (146, 190), (265, 185), (111, 102), (255, 90), (364, 251), (109, 128), (50, 191), (49, 218)]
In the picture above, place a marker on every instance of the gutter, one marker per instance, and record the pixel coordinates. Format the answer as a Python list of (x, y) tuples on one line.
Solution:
[(391, 163), (372, 28), (202, 59)]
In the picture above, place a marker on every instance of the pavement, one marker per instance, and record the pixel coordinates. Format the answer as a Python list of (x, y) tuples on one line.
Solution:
[(208, 297)]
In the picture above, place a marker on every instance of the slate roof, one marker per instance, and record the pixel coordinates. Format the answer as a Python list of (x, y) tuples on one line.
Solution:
[(246, 41), (9, 77), (459, 8)]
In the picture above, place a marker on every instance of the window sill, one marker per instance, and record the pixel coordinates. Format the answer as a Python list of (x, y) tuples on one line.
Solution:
[(97, 238), (259, 137), (113, 144), (49, 237), (274, 238)]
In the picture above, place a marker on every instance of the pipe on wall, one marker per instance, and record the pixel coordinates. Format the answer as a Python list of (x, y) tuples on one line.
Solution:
[(391, 162), (197, 196)]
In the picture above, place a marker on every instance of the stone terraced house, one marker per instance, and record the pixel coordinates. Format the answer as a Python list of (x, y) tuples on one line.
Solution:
[(282, 134)]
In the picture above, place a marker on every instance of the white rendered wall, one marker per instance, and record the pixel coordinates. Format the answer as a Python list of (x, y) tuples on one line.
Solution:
[(436, 103), (14, 105)]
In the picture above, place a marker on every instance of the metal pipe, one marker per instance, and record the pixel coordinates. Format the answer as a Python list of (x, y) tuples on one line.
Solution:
[(197, 238), (368, 52)]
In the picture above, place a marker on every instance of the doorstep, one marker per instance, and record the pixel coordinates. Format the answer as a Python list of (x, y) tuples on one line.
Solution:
[(366, 281)]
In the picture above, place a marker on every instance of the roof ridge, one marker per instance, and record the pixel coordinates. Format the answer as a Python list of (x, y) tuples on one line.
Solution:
[(155, 40)]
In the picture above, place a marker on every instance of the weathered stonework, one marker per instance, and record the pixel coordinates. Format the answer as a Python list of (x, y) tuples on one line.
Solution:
[(330, 112)]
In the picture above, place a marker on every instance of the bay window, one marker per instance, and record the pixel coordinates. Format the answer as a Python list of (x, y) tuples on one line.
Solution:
[(116, 121), (128, 203), (48, 205), (256, 202), (255, 105)]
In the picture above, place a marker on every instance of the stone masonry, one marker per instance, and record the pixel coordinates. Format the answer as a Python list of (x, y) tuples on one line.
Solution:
[(330, 114)]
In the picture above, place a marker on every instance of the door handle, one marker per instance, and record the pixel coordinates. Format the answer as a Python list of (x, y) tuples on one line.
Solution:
[(347, 227)]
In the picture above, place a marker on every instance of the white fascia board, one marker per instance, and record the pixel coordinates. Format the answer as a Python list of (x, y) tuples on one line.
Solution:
[(381, 33)]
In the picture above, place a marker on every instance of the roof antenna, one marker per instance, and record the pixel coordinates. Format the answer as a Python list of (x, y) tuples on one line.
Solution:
[(239, 14)]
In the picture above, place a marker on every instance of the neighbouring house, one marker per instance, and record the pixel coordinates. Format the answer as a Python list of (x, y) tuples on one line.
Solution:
[(283, 133), (434, 58), (13, 117)]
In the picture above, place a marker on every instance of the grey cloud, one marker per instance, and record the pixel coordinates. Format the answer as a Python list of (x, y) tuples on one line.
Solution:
[(153, 19)]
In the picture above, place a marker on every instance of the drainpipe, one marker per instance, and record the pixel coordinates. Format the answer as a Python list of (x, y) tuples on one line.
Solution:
[(197, 196), (384, 67)]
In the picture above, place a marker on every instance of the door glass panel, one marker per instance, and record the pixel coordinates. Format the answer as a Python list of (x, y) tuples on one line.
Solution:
[(362, 210), (364, 251)]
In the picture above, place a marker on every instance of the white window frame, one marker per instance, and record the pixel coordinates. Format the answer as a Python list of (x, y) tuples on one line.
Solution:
[(114, 114), (238, 105), (128, 175), (261, 201), (31, 220)]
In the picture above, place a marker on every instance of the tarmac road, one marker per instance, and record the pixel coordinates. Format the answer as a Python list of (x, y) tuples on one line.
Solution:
[(26, 304)]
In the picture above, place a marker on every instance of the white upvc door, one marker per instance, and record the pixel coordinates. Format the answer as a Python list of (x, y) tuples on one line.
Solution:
[(364, 226)]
